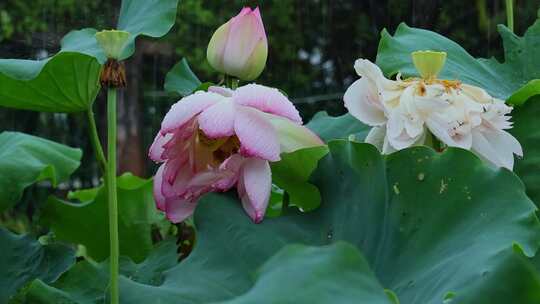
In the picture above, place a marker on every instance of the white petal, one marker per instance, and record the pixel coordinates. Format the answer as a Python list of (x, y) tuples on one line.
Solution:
[(483, 148), (497, 146), (477, 94), (376, 137), (363, 102)]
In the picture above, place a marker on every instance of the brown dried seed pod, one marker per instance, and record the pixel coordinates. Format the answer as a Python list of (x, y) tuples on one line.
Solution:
[(113, 74)]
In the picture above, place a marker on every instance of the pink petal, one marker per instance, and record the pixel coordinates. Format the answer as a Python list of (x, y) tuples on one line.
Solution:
[(172, 168), (293, 136), (181, 139), (254, 188), (226, 92), (158, 195), (245, 32), (266, 99), (177, 210), (260, 25), (202, 183), (218, 120), (230, 170), (245, 11), (256, 134), (185, 109), (186, 184), (156, 149)]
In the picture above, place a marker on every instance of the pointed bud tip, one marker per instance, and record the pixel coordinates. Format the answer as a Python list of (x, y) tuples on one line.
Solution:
[(428, 63), (246, 10), (240, 47), (112, 42)]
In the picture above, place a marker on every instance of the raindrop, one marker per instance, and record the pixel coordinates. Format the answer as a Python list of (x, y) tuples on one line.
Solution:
[(421, 176)]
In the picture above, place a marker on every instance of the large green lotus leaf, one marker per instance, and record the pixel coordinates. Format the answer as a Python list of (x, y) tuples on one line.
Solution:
[(337, 273), (527, 130), (431, 225), (292, 173), (181, 79), (67, 82), (23, 259), (84, 223), (427, 232), (27, 159), (340, 127), (95, 276), (327, 274), (152, 18), (516, 79), (84, 41)]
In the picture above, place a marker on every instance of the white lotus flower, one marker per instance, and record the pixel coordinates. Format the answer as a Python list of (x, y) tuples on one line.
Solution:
[(404, 113)]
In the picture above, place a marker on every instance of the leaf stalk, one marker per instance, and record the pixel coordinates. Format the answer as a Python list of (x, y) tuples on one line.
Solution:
[(112, 195), (510, 14)]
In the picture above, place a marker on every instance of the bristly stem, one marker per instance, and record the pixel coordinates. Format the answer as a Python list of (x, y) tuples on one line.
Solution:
[(96, 143), (111, 192), (510, 14)]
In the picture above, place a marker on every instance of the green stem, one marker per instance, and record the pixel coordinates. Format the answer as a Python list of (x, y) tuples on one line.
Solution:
[(436, 143), (231, 82), (510, 14), (111, 192), (94, 137), (285, 203)]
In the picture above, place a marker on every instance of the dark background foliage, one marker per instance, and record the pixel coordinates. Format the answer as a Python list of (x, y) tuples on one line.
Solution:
[(313, 45)]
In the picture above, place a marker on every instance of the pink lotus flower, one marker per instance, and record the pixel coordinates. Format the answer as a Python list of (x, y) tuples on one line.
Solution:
[(212, 141), (239, 47)]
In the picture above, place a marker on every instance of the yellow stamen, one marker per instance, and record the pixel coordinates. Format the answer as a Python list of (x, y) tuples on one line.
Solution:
[(211, 144), (221, 148)]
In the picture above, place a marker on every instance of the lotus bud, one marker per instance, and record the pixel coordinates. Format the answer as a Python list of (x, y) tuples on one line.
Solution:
[(239, 47)]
